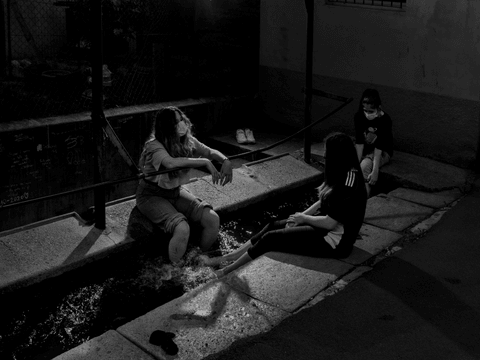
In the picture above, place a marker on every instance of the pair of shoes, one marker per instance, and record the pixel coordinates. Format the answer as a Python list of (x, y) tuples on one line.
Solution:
[(245, 136)]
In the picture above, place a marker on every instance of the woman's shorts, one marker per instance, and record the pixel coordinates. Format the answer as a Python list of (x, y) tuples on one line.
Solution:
[(168, 207), (367, 163)]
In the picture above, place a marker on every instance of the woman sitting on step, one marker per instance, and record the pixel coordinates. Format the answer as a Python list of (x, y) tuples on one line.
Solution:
[(326, 229), (162, 198)]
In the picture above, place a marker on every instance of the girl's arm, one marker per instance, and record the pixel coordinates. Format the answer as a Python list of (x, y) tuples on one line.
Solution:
[(373, 177), (312, 209), (359, 148), (323, 221)]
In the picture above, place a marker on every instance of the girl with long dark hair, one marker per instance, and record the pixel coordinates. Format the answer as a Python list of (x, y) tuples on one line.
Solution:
[(328, 228), (162, 198)]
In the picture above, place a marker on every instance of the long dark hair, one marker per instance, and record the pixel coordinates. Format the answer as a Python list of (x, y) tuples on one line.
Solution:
[(372, 97), (340, 158), (165, 131)]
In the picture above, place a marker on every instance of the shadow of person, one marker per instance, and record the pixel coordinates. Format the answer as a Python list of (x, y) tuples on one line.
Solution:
[(216, 300)]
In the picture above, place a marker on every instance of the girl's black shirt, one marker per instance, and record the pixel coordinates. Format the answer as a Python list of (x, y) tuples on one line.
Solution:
[(376, 133), (346, 204)]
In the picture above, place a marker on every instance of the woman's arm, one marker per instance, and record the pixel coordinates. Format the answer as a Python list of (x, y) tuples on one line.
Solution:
[(226, 171), (172, 162), (217, 155)]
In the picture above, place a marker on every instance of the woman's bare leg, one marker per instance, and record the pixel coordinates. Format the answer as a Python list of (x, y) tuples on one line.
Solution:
[(210, 224), (178, 242)]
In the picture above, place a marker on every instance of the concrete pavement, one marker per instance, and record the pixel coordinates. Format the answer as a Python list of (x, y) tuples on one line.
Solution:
[(209, 319), (243, 307), (420, 303)]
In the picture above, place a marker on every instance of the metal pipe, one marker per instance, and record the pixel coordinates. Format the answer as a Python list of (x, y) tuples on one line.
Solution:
[(95, 186), (142, 176), (310, 6), (97, 110), (9, 37)]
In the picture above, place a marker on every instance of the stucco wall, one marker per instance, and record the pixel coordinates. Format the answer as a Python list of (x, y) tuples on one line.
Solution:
[(424, 61)]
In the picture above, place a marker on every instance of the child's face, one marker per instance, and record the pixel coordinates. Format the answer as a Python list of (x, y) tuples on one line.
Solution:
[(370, 111), (368, 108)]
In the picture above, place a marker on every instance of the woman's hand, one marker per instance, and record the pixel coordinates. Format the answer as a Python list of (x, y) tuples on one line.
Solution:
[(213, 170), (296, 219), (226, 173)]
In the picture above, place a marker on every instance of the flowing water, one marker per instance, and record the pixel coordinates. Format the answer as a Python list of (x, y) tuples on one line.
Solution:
[(47, 319)]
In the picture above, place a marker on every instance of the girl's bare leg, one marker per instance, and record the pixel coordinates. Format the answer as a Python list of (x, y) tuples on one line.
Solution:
[(242, 260), (234, 255)]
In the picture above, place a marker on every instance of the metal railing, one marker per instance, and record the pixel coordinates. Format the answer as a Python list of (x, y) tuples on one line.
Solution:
[(143, 176), (102, 126)]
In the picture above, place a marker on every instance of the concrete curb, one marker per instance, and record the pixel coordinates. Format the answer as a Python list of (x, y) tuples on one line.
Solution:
[(40, 251), (211, 317)]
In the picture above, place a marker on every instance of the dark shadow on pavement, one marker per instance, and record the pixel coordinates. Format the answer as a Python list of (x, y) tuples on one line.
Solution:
[(395, 312)]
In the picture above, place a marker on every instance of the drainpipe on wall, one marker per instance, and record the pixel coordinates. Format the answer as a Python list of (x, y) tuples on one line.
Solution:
[(3, 43), (477, 160), (97, 111), (309, 4), (9, 39)]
